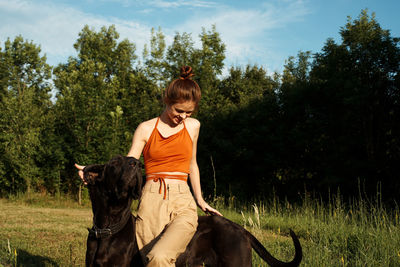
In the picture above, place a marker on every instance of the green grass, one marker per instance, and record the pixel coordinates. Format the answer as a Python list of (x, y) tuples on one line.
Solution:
[(39, 236), (47, 231)]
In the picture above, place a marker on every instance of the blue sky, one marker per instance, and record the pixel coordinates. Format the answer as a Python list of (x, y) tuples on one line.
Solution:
[(258, 32)]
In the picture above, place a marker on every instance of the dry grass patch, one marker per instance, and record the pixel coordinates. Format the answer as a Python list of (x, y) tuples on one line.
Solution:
[(42, 236)]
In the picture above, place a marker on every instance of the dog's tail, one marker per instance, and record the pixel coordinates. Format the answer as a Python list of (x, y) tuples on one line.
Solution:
[(265, 255)]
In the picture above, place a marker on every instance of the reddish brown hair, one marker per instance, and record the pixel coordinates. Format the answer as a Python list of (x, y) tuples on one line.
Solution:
[(183, 89)]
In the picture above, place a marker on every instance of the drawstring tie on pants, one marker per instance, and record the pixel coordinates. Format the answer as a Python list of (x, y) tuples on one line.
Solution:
[(161, 178)]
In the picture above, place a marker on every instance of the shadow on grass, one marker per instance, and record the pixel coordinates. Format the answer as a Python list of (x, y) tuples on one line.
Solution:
[(24, 258)]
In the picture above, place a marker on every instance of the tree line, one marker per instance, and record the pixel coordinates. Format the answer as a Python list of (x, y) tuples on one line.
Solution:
[(330, 120)]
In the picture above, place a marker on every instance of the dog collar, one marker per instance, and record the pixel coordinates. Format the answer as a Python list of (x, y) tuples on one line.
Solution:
[(101, 233)]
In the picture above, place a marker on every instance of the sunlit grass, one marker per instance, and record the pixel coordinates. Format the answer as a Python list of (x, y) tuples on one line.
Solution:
[(362, 233), (47, 231), (32, 235)]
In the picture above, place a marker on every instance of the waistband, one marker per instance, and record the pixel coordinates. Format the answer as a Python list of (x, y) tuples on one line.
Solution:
[(161, 178)]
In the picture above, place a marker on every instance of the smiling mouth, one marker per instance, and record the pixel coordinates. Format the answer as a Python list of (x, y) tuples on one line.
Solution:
[(179, 119)]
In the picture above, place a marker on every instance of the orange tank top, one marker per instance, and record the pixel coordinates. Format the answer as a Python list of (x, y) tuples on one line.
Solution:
[(171, 154)]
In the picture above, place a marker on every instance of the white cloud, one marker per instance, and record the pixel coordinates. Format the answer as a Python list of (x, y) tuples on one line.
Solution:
[(56, 27), (164, 4), (246, 33), (182, 3)]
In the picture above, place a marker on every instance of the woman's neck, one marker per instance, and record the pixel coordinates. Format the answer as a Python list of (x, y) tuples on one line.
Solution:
[(167, 120)]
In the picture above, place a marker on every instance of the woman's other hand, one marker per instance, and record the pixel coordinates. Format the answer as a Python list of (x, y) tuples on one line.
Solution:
[(207, 208)]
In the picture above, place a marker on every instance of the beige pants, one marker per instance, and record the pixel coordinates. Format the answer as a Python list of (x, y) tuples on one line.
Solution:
[(164, 227)]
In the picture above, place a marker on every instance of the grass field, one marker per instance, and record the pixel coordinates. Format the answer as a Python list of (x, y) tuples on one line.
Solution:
[(45, 231)]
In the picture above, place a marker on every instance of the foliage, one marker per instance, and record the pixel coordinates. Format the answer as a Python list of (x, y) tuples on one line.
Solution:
[(162, 64), (329, 120), (237, 138), (25, 104), (100, 98), (344, 110)]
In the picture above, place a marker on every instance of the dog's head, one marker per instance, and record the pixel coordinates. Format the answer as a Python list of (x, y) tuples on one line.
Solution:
[(120, 178)]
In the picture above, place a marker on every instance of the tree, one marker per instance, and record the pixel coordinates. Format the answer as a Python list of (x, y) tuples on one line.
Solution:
[(25, 103), (244, 86), (376, 62), (180, 53), (210, 57), (163, 66), (339, 113), (297, 125), (154, 60), (242, 139), (100, 99), (369, 64)]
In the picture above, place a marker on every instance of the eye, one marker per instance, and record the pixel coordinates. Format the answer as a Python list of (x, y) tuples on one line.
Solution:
[(182, 111)]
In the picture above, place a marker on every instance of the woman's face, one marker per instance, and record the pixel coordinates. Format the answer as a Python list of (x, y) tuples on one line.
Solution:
[(178, 112)]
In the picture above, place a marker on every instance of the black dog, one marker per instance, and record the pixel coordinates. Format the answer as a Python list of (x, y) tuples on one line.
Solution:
[(112, 241)]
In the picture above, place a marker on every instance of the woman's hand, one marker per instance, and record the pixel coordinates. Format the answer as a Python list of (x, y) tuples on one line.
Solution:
[(207, 208), (80, 171)]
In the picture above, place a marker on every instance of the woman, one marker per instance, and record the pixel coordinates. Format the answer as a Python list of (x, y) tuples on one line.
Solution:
[(167, 213)]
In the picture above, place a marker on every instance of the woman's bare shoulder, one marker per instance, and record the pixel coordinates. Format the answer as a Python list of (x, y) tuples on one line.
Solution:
[(192, 124), (146, 126)]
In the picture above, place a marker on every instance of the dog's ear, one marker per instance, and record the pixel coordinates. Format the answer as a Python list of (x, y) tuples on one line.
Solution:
[(93, 173), (137, 173)]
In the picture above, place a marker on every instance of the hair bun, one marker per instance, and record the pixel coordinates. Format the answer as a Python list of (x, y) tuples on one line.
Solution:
[(186, 72)]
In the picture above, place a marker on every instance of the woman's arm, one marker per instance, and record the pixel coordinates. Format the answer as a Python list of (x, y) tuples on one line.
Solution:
[(195, 174), (138, 143)]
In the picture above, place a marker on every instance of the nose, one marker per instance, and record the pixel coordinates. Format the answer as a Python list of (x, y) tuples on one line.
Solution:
[(183, 116)]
